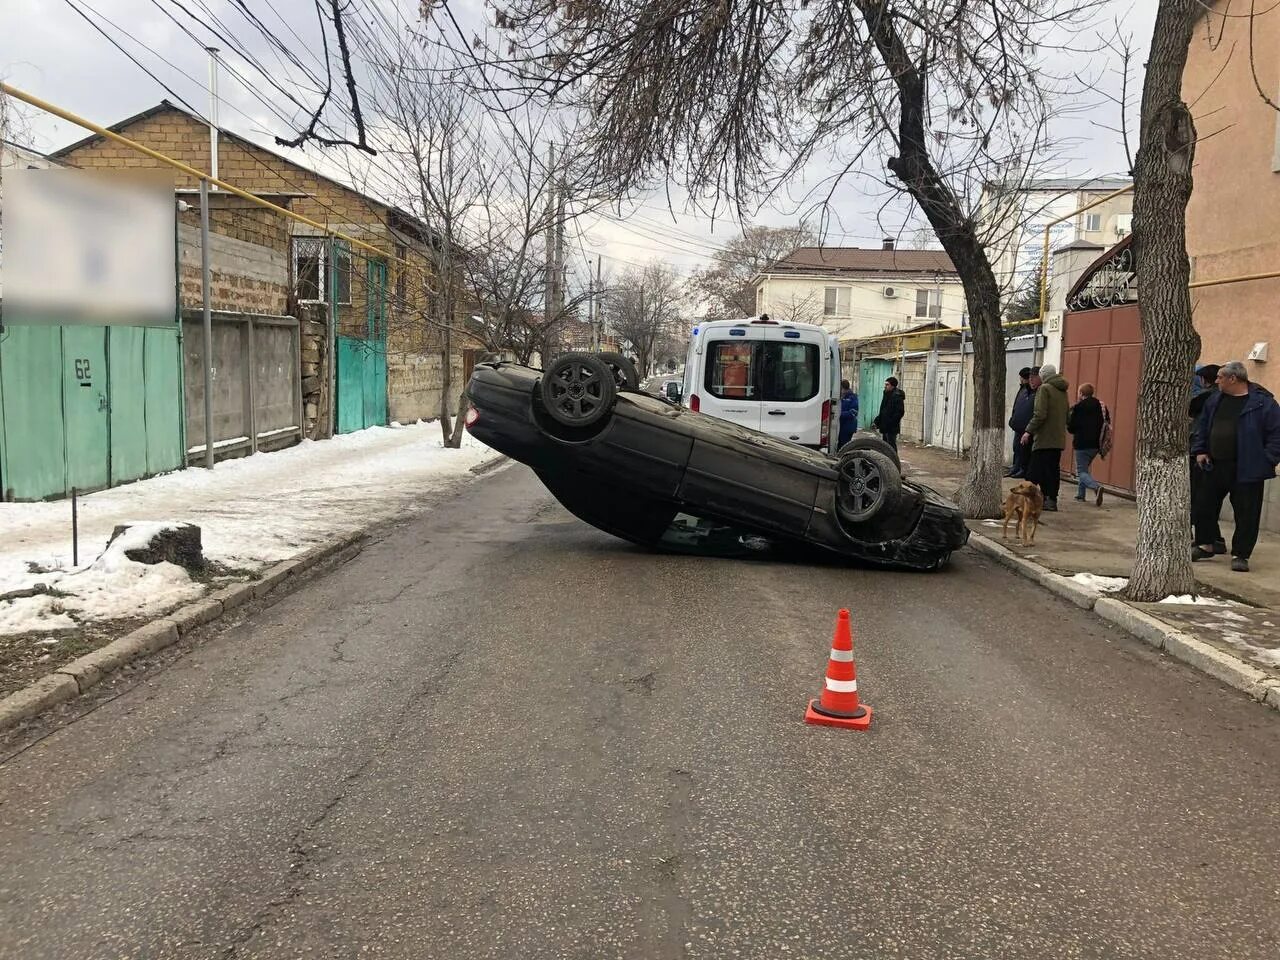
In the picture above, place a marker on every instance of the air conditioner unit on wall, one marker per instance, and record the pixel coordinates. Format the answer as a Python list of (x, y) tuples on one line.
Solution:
[(890, 293)]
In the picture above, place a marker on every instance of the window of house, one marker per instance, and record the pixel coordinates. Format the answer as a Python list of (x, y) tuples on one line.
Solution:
[(1092, 222), (929, 303), (836, 302), (312, 271)]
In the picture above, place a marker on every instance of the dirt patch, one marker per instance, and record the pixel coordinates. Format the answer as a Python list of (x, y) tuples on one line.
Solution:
[(25, 657)]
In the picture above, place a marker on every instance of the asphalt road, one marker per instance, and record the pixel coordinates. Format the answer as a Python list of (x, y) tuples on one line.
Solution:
[(499, 733)]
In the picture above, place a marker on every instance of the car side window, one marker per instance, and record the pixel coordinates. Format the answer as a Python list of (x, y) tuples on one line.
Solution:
[(731, 370)]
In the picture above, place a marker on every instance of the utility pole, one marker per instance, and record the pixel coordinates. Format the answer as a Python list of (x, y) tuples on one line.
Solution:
[(213, 113), (591, 309), (560, 262), (206, 280), (598, 288)]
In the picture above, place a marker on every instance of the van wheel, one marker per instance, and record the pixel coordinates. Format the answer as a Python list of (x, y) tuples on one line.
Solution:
[(625, 374), (578, 389), (872, 443), (869, 482)]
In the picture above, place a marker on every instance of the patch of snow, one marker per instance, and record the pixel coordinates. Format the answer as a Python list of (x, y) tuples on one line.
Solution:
[(1102, 584), (252, 511), (1199, 601), (1228, 615)]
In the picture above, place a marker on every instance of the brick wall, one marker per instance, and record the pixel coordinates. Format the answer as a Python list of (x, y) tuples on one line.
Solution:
[(911, 379), (414, 383), (246, 277)]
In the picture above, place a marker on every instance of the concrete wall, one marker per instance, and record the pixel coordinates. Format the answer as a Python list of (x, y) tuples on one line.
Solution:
[(256, 389), (801, 299), (414, 384), (1233, 219)]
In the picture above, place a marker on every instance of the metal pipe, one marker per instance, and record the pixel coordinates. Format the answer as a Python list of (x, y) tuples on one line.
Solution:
[(75, 529), (205, 285), (1241, 279), (191, 171)]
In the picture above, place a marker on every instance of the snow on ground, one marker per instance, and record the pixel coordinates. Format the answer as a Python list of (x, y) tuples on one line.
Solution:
[(1102, 584), (252, 512), (1199, 601)]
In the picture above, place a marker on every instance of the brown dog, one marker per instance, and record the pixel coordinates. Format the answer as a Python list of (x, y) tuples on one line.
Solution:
[(1025, 501)]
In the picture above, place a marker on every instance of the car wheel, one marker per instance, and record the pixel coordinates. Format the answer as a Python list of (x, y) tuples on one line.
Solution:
[(869, 482), (578, 389), (625, 375), (872, 443)]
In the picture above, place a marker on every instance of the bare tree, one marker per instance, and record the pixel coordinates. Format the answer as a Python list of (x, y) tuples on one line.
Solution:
[(643, 307), (947, 92), (725, 286)]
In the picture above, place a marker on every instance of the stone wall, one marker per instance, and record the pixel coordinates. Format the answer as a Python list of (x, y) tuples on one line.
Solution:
[(414, 383)]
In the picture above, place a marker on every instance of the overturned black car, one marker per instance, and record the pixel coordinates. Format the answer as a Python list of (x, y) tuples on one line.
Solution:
[(658, 474)]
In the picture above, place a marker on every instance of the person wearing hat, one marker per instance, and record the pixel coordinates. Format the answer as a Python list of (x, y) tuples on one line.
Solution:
[(1023, 406), (1047, 434)]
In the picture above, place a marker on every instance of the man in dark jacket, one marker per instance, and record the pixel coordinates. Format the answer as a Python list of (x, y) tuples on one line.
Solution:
[(1205, 386), (1237, 445), (1085, 422), (893, 406), (1047, 434), (1023, 406), (848, 414)]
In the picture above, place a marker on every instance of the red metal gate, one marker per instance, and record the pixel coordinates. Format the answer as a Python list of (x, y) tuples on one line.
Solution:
[(1102, 345)]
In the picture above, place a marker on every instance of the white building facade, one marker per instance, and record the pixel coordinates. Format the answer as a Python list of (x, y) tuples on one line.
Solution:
[(856, 293)]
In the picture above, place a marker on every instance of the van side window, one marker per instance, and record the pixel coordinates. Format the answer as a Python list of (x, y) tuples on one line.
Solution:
[(731, 370), (791, 371)]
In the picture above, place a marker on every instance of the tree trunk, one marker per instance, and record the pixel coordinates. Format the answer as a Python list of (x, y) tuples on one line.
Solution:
[(1170, 345), (455, 439), (446, 386), (979, 495)]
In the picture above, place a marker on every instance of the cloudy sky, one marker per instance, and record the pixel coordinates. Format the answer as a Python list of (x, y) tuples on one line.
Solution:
[(48, 49)]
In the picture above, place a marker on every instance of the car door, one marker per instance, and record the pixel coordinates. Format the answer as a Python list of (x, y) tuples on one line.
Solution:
[(791, 365), (729, 387)]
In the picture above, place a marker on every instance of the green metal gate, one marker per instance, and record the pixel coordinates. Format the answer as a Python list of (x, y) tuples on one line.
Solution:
[(871, 377), (362, 361), (87, 407)]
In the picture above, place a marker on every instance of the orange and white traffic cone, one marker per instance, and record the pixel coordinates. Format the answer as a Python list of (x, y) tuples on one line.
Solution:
[(838, 705)]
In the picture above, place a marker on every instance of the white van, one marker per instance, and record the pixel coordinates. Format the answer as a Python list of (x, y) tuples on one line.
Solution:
[(779, 378)]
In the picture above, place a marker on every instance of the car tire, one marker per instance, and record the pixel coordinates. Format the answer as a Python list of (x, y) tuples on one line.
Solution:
[(872, 443), (625, 374), (578, 389), (869, 483)]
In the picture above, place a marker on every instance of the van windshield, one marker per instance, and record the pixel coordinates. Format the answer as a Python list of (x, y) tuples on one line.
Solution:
[(763, 370)]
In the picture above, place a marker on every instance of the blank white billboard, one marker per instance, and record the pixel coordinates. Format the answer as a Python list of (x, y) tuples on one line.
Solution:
[(84, 248)]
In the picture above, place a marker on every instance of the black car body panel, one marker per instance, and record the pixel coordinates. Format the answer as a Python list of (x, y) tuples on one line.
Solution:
[(651, 460)]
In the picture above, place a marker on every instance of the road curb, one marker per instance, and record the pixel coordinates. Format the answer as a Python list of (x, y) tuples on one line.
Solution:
[(74, 678), (1205, 657), (480, 469)]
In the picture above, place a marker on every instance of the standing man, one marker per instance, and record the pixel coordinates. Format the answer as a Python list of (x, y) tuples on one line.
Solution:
[(848, 414), (1206, 384), (1085, 423), (893, 406), (1047, 434), (1237, 446), (1023, 406)]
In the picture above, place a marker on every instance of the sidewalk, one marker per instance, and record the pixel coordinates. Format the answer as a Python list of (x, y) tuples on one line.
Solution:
[(1239, 613), (253, 512)]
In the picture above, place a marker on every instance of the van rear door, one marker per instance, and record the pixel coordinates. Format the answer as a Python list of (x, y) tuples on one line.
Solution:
[(729, 385), (792, 384)]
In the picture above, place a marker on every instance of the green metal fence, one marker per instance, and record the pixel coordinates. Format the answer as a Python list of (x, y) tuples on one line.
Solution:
[(87, 407)]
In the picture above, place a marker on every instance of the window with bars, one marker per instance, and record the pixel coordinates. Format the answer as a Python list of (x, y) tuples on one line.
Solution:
[(312, 271)]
